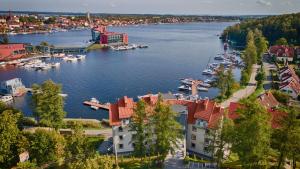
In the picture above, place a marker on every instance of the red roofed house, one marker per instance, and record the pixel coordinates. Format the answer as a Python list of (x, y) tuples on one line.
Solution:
[(275, 114), (268, 100), (282, 53), (12, 51), (291, 87), (202, 115)]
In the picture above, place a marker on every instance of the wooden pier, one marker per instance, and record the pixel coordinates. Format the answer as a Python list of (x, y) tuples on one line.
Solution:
[(101, 106)]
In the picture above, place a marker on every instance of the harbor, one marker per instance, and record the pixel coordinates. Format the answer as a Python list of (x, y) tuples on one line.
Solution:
[(108, 74)]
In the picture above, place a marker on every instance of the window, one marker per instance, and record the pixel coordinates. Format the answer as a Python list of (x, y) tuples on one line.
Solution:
[(206, 140), (194, 128), (133, 145), (207, 131), (121, 146), (206, 149), (193, 145), (121, 137), (193, 137), (120, 129)]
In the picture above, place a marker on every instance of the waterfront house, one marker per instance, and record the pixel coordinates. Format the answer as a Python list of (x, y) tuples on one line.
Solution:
[(12, 51), (282, 53), (12, 87), (198, 119), (102, 36)]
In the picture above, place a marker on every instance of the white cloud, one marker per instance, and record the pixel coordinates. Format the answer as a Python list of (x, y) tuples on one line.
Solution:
[(264, 3)]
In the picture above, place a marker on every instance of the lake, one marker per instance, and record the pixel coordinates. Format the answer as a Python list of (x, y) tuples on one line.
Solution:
[(175, 51)]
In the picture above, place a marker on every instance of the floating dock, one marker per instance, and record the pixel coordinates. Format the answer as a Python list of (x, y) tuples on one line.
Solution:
[(101, 106)]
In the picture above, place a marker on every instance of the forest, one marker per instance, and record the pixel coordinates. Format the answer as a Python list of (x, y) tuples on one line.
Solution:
[(273, 28)]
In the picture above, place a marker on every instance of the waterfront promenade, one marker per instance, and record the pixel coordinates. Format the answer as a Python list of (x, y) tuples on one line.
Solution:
[(243, 93)]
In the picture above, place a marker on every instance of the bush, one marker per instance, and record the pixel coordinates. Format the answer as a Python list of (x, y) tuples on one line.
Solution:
[(245, 78), (84, 124), (29, 121), (281, 96)]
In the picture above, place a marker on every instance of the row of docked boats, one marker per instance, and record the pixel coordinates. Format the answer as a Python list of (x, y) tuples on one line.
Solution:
[(186, 84), (226, 60), (128, 47), (37, 64)]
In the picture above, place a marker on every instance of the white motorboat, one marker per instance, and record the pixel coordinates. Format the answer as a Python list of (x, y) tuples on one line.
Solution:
[(70, 59), (186, 81), (203, 89), (55, 65), (208, 72), (94, 100), (6, 98), (184, 88), (81, 57), (205, 85), (94, 107), (208, 81), (219, 57)]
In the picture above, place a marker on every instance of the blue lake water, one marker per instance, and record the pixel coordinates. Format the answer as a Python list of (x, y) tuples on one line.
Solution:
[(175, 51)]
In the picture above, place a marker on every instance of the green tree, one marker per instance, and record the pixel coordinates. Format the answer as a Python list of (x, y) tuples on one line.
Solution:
[(26, 165), (166, 129), (252, 134), (281, 41), (77, 148), (43, 43), (260, 77), (48, 104), (261, 44), (9, 132), (244, 78), (221, 137), (250, 55), (229, 81), (139, 126), (46, 147), (220, 79), (286, 138)]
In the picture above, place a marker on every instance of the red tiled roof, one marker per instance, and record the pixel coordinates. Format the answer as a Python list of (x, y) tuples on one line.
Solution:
[(282, 51), (276, 115), (268, 100), (204, 109), (295, 86), (120, 110)]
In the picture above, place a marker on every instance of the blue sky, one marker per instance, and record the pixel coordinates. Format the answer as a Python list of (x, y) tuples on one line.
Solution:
[(211, 7)]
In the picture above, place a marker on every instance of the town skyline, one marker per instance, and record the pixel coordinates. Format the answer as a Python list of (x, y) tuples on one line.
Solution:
[(177, 7)]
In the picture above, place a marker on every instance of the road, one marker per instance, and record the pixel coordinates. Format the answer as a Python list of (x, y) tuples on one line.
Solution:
[(268, 66), (243, 93), (106, 132)]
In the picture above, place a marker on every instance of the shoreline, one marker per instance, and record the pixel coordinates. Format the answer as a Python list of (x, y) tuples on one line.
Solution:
[(126, 25)]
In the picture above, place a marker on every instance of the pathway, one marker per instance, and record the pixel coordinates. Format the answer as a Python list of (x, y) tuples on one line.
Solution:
[(106, 132), (176, 161), (268, 66), (243, 93)]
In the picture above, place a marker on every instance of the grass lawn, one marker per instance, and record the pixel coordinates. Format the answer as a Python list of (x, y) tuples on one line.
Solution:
[(95, 46), (136, 163), (95, 141)]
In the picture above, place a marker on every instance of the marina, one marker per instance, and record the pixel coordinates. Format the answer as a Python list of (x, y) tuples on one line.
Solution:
[(109, 74)]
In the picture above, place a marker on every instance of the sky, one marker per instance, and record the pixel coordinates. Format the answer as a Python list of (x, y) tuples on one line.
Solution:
[(198, 7)]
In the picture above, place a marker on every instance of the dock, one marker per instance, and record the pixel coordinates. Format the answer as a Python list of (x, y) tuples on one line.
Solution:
[(101, 106)]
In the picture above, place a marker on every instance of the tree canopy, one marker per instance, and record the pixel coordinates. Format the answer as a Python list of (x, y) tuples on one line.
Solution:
[(48, 104), (273, 28)]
